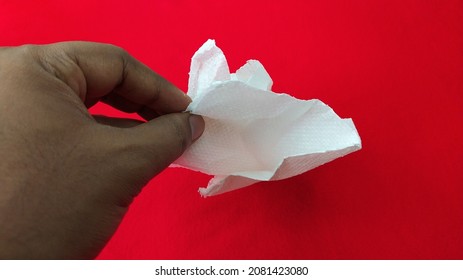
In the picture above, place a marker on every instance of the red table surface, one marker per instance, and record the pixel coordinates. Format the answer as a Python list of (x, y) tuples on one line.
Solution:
[(395, 67)]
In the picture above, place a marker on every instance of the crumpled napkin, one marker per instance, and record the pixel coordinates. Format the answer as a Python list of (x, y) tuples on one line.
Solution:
[(253, 134)]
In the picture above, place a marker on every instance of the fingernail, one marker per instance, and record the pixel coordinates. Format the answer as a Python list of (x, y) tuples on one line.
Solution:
[(197, 126)]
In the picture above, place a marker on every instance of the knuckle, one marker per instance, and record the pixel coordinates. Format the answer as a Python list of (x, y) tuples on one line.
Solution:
[(21, 61), (24, 54), (117, 50), (179, 132), (61, 63), (123, 55)]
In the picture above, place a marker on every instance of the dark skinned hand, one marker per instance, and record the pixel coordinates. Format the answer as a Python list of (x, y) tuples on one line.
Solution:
[(66, 177)]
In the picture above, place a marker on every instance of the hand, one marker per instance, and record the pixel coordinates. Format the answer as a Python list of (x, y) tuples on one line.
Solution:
[(66, 177)]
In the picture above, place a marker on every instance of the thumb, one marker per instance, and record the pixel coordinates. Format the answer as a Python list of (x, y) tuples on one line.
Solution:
[(161, 141)]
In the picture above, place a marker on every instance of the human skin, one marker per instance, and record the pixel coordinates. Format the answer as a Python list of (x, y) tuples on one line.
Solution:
[(66, 177)]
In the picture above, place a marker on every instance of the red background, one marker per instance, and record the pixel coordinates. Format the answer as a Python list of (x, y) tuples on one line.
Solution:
[(395, 67)]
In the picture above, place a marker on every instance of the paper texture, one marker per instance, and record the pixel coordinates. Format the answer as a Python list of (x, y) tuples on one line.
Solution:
[(253, 134)]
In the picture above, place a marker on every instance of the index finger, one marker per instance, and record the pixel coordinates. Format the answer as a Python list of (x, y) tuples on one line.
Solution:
[(108, 73)]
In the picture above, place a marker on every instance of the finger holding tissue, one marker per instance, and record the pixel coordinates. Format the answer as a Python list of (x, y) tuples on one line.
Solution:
[(253, 134)]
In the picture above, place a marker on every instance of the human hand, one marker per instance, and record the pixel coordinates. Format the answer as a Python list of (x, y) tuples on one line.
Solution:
[(66, 177)]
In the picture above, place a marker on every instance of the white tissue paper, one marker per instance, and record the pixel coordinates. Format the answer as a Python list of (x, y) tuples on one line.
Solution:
[(253, 134)]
